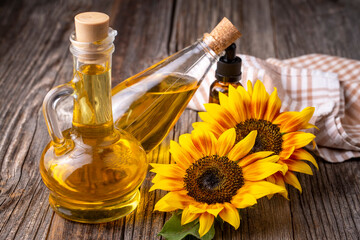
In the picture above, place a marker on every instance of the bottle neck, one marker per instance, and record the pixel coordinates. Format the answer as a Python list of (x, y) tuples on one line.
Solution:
[(208, 50), (92, 114)]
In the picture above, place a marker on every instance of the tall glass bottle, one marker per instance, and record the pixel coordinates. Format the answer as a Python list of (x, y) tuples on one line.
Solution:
[(93, 170), (148, 104)]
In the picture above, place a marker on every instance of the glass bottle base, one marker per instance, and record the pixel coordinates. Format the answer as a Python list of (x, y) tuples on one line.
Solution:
[(88, 212)]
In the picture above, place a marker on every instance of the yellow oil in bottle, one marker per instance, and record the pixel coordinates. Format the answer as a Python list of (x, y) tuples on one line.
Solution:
[(96, 179), (148, 110)]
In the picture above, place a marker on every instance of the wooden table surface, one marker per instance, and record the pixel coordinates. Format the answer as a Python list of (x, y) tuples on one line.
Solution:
[(34, 58)]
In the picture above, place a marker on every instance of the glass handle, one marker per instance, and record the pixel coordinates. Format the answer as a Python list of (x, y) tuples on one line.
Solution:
[(51, 100)]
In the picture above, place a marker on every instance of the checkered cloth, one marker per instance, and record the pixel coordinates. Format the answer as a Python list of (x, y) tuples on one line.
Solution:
[(330, 84)]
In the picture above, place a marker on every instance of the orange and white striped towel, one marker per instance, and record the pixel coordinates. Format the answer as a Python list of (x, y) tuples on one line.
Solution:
[(330, 84)]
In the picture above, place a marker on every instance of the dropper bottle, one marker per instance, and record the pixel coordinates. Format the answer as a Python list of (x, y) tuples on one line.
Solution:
[(228, 73)]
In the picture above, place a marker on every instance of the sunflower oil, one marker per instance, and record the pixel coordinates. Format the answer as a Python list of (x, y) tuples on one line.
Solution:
[(148, 104), (96, 178), (149, 111)]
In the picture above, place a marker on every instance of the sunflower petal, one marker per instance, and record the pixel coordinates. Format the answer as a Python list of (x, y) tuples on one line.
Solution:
[(297, 139), (249, 87), (201, 208), (231, 215), (179, 154), (162, 206), (187, 144), (183, 158), (167, 170), (170, 202), (259, 100), (243, 200), (246, 101), (314, 144), (167, 184), (309, 125), (214, 209), (273, 106), (278, 179), (254, 157), (298, 166), (187, 216), (204, 141), (212, 140), (159, 178), (284, 168), (178, 201), (261, 188), (236, 108), (243, 147), (226, 142), (302, 154), (223, 99), (291, 179), (271, 178), (294, 121), (205, 116), (206, 221), (286, 152), (220, 115), (213, 128), (212, 108), (260, 170), (273, 159)]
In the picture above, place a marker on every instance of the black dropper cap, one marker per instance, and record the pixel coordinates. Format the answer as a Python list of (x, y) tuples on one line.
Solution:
[(229, 66)]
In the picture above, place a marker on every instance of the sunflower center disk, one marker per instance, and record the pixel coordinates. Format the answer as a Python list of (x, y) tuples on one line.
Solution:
[(213, 179), (268, 137)]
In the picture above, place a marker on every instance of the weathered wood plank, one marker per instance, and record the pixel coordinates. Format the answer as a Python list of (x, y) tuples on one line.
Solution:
[(320, 26), (257, 29), (143, 34), (33, 53), (193, 18), (328, 208), (329, 205), (33, 60)]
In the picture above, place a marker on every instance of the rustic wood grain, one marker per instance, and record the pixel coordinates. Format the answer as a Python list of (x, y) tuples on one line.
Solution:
[(34, 57), (143, 34), (329, 205), (328, 208), (329, 27)]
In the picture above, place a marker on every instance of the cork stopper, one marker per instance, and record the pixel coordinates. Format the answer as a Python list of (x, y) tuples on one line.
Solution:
[(222, 36), (91, 26)]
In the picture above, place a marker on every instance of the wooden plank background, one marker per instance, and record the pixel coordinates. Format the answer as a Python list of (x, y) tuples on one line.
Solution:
[(34, 58)]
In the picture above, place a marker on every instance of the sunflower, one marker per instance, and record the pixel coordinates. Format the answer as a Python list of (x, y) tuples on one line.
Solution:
[(213, 177), (278, 132)]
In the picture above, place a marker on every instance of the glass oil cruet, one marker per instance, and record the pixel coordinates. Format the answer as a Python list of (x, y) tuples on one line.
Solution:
[(148, 104), (93, 170)]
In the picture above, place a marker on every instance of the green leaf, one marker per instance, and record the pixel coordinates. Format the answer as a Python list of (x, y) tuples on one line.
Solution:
[(173, 230)]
